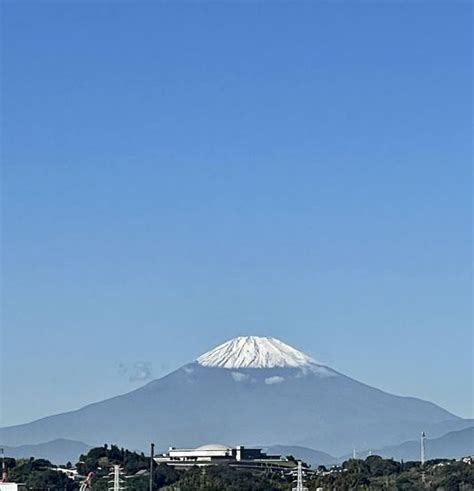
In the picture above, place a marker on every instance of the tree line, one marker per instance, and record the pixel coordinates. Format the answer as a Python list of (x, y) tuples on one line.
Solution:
[(373, 473)]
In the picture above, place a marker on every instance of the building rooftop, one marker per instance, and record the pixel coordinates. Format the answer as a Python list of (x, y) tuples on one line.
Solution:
[(214, 446)]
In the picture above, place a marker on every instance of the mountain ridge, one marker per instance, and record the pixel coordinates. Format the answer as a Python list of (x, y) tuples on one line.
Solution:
[(454, 444)]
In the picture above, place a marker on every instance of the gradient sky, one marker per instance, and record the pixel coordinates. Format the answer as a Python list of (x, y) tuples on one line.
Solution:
[(179, 173)]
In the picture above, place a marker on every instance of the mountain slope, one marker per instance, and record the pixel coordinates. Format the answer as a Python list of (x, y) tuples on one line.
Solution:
[(307, 455), (307, 405)]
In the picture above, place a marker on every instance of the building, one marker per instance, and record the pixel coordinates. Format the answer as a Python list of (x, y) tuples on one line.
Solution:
[(71, 473), (12, 486), (215, 454)]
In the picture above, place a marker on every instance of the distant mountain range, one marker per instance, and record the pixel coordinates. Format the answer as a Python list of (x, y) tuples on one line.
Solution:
[(455, 444), (250, 389), (60, 451)]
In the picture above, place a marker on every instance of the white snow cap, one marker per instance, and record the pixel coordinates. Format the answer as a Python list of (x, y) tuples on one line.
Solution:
[(254, 352)]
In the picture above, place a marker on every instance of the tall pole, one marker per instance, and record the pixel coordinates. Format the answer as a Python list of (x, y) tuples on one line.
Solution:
[(152, 456), (423, 456)]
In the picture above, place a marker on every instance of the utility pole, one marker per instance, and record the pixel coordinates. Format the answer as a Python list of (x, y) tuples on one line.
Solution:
[(152, 456)]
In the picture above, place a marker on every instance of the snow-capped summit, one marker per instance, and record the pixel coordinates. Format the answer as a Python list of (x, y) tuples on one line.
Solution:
[(254, 352)]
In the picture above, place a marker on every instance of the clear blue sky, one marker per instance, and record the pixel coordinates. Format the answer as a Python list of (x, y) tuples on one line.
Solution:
[(176, 174)]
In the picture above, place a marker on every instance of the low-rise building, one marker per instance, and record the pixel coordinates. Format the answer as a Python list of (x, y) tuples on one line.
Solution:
[(12, 486), (215, 454), (71, 473)]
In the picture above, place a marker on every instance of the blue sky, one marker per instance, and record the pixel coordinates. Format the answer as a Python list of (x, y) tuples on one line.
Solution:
[(176, 174)]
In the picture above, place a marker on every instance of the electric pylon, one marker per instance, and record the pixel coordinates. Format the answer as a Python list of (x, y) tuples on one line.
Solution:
[(117, 482), (299, 478)]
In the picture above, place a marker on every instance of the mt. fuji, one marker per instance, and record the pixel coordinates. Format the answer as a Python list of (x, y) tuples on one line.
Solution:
[(249, 390), (254, 352)]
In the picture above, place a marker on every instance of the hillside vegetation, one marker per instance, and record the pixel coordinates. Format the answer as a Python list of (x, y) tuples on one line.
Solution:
[(373, 473)]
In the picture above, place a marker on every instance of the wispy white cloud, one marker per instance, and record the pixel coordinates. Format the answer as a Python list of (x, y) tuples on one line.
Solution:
[(239, 377), (274, 380), (140, 371)]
